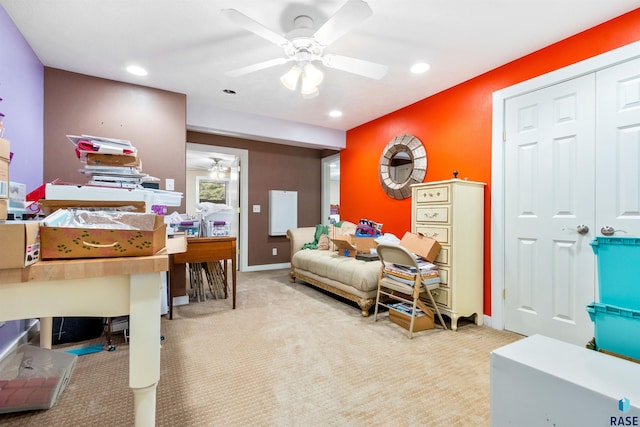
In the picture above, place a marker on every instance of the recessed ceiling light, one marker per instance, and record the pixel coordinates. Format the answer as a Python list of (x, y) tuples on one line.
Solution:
[(420, 67), (335, 113), (136, 71)]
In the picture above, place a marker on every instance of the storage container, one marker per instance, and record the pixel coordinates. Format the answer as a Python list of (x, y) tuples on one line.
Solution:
[(616, 329), (33, 378), (421, 323), (618, 262)]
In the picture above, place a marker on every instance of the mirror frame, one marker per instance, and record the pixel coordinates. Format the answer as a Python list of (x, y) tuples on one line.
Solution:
[(414, 147)]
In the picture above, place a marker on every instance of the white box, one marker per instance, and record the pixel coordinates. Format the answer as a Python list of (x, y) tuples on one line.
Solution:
[(541, 381)]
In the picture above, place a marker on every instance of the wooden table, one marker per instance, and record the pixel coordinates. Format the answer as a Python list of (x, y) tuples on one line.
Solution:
[(100, 287), (201, 249)]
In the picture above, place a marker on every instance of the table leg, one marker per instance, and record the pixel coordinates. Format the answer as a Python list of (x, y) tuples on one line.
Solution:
[(144, 347), (144, 405), (46, 330)]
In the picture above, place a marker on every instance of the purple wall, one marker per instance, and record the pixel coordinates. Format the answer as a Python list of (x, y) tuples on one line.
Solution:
[(22, 93), (21, 90)]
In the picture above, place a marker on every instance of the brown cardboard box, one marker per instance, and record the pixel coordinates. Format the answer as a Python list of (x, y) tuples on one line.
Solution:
[(4, 179), (345, 245), (421, 323), (4, 208), (426, 247), (72, 242), (4, 168), (20, 243), (97, 159), (4, 149), (50, 206), (364, 244)]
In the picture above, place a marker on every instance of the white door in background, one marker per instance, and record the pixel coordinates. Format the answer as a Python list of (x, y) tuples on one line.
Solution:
[(572, 158), (549, 180), (618, 149)]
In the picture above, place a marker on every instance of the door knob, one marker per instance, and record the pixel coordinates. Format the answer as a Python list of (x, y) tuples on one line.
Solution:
[(607, 230), (582, 229)]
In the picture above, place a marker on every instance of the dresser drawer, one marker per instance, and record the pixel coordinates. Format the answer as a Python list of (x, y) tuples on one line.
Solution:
[(443, 256), (443, 272), (433, 214), (441, 295), (441, 234), (432, 194)]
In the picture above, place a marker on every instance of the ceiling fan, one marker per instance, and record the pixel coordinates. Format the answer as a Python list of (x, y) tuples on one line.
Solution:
[(303, 46)]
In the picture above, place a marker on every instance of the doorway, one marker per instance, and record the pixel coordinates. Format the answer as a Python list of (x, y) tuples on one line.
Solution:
[(330, 189), (227, 170)]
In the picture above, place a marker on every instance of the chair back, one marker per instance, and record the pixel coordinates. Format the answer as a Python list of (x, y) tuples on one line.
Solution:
[(396, 254)]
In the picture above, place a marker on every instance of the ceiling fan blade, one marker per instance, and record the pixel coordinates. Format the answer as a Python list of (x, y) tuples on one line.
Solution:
[(348, 16), (256, 67), (254, 26), (355, 66)]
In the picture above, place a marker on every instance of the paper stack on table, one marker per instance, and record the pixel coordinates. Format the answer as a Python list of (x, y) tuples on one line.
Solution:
[(110, 162)]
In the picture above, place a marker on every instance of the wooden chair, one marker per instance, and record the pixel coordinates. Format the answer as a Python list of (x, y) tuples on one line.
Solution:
[(400, 291)]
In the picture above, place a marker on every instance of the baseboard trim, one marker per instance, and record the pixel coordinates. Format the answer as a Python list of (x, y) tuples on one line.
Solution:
[(267, 267)]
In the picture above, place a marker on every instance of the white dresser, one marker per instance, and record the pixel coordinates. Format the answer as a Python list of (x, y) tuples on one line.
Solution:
[(452, 212)]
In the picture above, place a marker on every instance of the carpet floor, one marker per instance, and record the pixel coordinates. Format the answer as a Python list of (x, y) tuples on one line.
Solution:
[(289, 355)]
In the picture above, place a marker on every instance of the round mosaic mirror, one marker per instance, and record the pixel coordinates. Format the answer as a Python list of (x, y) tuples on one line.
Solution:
[(403, 163)]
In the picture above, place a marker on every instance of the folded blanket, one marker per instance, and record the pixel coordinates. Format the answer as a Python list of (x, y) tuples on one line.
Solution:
[(320, 230)]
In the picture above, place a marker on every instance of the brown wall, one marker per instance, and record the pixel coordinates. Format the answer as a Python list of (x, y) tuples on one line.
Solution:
[(274, 167), (153, 120)]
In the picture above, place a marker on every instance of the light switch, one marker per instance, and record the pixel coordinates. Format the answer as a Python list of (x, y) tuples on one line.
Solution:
[(256, 208), (169, 184)]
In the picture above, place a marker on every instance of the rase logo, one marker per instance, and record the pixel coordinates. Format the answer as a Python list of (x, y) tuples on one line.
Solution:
[(624, 405)]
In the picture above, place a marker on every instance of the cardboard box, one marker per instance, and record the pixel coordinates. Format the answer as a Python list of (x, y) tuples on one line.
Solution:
[(20, 243), (345, 245), (59, 242), (426, 247), (4, 168), (364, 244), (50, 206), (4, 209), (4, 149), (97, 159), (421, 323), (4, 179)]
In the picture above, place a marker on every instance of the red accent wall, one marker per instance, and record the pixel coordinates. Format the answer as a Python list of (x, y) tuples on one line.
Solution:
[(455, 127)]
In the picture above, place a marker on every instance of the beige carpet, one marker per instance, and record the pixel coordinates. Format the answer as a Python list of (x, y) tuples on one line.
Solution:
[(289, 355)]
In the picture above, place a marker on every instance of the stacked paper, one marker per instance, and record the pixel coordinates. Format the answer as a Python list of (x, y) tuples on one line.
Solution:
[(109, 162), (406, 274)]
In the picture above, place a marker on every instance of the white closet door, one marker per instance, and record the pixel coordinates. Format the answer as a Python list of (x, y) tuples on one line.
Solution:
[(618, 149), (549, 187)]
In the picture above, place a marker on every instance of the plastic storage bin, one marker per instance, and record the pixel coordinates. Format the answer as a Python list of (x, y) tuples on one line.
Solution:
[(618, 261), (616, 329)]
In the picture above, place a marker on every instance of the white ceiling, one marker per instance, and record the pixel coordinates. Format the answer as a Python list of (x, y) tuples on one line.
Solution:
[(187, 46)]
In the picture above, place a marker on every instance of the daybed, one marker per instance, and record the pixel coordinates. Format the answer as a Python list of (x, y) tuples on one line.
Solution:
[(347, 277)]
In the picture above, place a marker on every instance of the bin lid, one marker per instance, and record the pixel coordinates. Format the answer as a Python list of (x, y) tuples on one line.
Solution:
[(611, 240), (596, 307)]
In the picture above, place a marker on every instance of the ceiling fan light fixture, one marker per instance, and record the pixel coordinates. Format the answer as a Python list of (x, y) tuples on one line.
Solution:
[(309, 92), (290, 79), (312, 75)]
